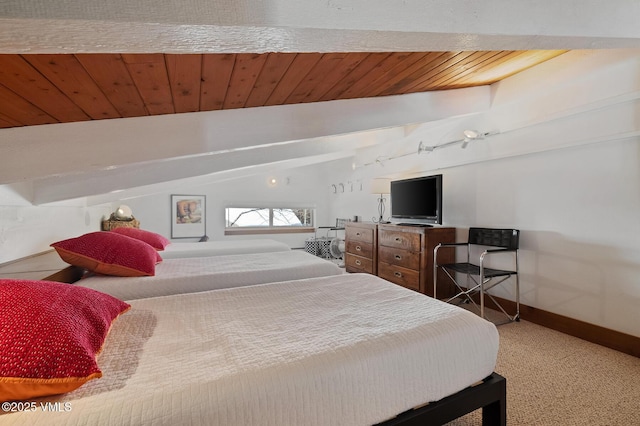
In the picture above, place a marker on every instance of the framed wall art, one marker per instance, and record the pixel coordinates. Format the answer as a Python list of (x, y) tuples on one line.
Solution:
[(188, 216)]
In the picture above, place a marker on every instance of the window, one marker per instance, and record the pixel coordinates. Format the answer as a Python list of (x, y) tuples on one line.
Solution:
[(265, 219)]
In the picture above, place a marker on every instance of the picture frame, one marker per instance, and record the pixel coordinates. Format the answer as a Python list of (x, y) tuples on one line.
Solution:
[(188, 216)]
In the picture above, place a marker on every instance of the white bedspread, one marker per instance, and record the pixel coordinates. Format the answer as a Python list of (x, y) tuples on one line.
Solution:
[(174, 276), (346, 350), (221, 248)]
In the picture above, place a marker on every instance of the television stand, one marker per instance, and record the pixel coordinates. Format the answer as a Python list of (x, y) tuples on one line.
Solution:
[(405, 256)]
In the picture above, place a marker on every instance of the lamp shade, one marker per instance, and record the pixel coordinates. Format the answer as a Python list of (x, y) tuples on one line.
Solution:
[(123, 213), (381, 186)]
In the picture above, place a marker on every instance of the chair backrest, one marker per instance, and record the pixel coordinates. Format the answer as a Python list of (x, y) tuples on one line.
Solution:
[(340, 223), (506, 238)]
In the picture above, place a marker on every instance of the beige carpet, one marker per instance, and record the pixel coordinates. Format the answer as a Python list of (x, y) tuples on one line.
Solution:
[(556, 379)]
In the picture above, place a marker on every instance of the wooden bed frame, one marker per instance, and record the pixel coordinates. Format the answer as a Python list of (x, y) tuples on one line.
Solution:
[(490, 395)]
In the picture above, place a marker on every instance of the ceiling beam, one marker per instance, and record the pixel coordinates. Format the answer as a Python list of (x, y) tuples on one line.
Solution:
[(178, 185), (203, 168), (105, 145), (232, 26)]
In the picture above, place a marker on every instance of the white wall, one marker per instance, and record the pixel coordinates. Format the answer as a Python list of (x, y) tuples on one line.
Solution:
[(565, 170), (577, 210), (305, 188), (27, 229)]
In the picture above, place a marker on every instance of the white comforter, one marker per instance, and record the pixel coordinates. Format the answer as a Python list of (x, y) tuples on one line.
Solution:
[(345, 350), (174, 276), (221, 248)]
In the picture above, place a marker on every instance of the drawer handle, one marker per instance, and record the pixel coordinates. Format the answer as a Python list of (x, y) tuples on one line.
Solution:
[(398, 274), (398, 239), (358, 248), (398, 257), (358, 234), (358, 263)]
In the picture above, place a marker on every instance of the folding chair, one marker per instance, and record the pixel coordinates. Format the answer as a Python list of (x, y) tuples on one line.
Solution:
[(494, 241)]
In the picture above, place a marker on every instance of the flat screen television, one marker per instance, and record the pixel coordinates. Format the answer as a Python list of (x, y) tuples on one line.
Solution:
[(417, 201)]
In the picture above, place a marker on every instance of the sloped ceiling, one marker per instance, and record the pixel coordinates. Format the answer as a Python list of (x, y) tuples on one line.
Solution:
[(158, 85), (64, 88)]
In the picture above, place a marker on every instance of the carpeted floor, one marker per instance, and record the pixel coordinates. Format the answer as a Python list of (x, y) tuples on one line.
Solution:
[(556, 379)]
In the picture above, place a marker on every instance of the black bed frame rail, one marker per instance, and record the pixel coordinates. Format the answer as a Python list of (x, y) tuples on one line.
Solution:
[(490, 395)]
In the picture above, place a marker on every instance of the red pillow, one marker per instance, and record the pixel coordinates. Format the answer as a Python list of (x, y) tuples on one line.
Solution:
[(156, 241), (50, 334), (109, 253)]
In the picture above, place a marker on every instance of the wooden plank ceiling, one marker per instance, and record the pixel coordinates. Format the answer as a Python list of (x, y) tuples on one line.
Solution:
[(62, 88)]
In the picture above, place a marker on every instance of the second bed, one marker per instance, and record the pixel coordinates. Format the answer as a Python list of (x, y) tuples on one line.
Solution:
[(221, 248), (190, 275)]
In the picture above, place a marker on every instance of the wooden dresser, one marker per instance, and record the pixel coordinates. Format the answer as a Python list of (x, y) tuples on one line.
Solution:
[(361, 247), (405, 256)]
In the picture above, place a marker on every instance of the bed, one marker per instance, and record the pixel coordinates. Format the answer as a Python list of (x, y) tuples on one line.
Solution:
[(350, 350), (225, 247), (174, 276)]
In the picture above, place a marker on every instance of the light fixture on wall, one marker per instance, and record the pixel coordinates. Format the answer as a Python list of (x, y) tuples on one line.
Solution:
[(380, 186), (468, 136), (380, 160), (337, 188), (424, 148), (471, 135)]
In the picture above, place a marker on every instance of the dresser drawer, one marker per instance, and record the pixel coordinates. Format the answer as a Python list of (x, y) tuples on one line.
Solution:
[(359, 234), (402, 276), (404, 258), (398, 239), (358, 264), (360, 248)]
